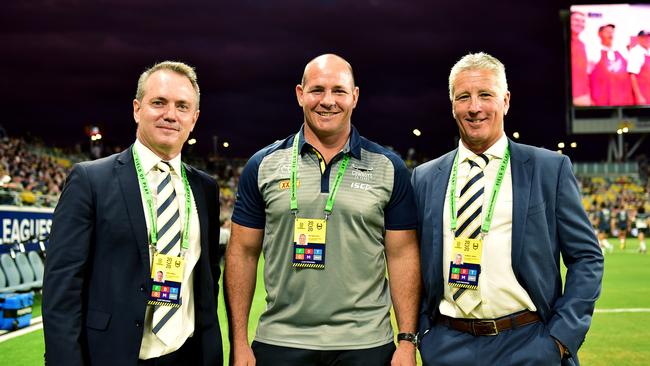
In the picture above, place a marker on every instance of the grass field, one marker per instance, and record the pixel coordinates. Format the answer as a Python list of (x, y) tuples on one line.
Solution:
[(615, 338)]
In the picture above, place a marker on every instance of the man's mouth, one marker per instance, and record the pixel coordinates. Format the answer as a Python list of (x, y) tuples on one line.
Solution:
[(168, 127), (326, 114)]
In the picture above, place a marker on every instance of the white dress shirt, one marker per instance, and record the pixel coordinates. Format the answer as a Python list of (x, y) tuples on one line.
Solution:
[(500, 292), (152, 346)]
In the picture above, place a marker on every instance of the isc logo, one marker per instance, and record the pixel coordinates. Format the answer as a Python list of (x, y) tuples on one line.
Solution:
[(357, 185)]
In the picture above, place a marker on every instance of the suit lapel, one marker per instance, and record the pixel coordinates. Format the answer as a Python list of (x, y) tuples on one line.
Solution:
[(201, 208), (439, 189), (130, 187), (521, 168)]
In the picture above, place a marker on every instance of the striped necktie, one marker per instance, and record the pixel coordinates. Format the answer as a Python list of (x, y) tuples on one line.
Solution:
[(165, 325), (470, 205)]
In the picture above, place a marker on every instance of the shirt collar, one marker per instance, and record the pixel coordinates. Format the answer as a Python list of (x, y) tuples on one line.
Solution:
[(496, 151), (352, 146), (149, 159)]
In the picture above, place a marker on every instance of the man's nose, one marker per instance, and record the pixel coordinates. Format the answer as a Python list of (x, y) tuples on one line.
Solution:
[(474, 105), (170, 113), (328, 99)]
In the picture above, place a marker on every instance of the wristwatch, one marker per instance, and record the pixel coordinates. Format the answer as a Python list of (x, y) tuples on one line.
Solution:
[(410, 337)]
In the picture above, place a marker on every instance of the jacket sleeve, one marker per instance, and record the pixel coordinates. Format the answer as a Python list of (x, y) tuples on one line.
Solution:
[(65, 271), (583, 258)]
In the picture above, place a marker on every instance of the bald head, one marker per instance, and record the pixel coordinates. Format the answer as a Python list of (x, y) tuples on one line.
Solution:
[(322, 61)]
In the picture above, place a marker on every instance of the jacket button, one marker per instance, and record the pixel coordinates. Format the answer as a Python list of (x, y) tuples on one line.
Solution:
[(141, 288), (138, 324)]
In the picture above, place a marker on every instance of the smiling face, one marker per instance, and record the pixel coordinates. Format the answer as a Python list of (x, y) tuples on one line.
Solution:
[(327, 96), (478, 106), (167, 113)]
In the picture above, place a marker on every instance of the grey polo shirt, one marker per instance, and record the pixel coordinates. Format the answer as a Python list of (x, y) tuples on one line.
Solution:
[(346, 305)]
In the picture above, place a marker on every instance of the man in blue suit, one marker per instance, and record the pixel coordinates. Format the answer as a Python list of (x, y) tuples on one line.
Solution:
[(509, 210), (121, 220)]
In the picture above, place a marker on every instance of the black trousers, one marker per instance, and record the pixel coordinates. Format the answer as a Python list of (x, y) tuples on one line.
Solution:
[(181, 357), (269, 355)]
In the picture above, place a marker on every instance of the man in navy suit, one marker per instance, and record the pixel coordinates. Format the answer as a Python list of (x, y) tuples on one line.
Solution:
[(510, 210), (122, 219)]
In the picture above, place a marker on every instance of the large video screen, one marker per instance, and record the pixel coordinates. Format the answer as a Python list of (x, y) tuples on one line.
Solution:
[(610, 55)]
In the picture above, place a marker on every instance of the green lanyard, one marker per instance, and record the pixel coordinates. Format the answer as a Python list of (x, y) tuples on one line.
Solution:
[(493, 198), (153, 233), (294, 179)]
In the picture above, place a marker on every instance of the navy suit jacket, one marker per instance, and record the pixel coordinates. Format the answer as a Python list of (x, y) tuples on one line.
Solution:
[(97, 270), (547, 219)]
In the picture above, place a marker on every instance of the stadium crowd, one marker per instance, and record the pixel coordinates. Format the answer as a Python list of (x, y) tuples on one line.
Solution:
[(32, 174)]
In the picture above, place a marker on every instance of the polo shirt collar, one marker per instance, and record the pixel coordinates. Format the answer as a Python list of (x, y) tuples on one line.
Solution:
[(352, 146)]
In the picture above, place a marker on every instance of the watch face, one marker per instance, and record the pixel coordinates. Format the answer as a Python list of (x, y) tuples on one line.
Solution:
[(410, 337)]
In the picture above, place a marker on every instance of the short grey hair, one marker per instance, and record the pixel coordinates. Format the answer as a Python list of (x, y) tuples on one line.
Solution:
[(175, 66), (479, 61)]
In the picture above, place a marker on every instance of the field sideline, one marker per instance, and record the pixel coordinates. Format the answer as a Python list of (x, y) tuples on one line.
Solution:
[(618, 336)]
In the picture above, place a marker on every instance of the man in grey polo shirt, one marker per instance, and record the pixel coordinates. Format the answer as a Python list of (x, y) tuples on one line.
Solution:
[(328, 299)]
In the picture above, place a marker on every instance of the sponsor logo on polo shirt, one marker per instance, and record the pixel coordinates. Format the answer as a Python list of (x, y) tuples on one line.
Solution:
[(286, 184), (364, 176), (361, 186)]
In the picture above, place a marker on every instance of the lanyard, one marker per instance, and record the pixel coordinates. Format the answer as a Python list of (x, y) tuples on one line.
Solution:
[(294, 178), (153, 232), (493, 198)]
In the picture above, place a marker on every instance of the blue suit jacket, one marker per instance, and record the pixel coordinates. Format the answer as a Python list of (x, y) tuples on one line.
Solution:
[(547, 219), (97, 269)]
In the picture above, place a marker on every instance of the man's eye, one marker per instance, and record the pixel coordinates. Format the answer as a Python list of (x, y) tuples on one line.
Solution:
[(157, 103), (183, 107)]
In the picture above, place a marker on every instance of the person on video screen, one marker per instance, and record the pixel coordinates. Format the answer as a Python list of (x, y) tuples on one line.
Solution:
[(609, 79)]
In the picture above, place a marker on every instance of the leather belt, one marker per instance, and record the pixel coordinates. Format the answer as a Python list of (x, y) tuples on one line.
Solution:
[(488, 327)]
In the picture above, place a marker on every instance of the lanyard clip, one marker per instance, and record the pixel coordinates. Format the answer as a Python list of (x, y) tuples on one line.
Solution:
[(327, 215)]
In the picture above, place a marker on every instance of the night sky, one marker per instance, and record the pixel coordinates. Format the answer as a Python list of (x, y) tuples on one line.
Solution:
[(67, 64)]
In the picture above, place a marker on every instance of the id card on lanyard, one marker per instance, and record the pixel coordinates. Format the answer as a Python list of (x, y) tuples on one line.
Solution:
[(310, 234), (466, 253), (166, 271)]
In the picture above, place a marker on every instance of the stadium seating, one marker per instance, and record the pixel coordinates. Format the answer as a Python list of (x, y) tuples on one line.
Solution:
[(26, 271), (37, 265), (14, 279), (3, 281)]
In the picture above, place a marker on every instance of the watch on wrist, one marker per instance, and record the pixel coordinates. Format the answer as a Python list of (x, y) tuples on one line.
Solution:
[(409, 337)]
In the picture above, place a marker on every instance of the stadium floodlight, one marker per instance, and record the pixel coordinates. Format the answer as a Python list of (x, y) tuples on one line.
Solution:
[(619, 131), (226, 144), (559, 151), (515, 135), (191, 141), (574, 145), (626, 130), (560, 145), (417, 132)]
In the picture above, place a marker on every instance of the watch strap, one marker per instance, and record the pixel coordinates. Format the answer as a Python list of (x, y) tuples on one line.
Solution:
[(409, 337)]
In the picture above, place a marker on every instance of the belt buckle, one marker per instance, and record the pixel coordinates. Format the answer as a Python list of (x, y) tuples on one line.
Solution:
[(491, 322)]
